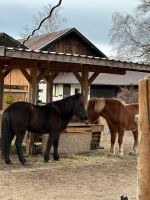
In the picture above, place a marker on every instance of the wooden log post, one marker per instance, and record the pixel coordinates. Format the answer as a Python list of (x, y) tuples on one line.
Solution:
[(49, 98), (1, 88), (1, 102), (85, 84), (32, 99), (143, 191)]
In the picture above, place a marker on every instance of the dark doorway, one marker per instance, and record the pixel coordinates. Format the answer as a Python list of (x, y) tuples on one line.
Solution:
[(66, 90)]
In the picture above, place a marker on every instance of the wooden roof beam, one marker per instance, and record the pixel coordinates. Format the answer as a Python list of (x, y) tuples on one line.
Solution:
[(93, 77), (26, 74), (44, 72), (84, 60), (78, 76)]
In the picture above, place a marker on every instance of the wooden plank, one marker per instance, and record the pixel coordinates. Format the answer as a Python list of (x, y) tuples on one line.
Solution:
[(97, 128), (78, 124), (77, 129)]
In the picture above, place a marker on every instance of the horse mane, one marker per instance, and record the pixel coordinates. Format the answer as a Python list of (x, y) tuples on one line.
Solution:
[(98, 103), (66, 103), (121, 101)]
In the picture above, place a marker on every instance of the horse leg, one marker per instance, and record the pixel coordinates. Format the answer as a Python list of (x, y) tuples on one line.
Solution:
[(120, 141), (18, 143), (135, 146), (48, 147), (55, 145), (113, 140), (7, 155)]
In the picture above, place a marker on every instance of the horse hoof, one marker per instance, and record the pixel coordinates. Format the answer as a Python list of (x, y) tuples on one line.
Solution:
[(132, 153), (99, 147), (46, 160), (120, 154), (8, 162), (111, 155), (24, 163), (56, 157)]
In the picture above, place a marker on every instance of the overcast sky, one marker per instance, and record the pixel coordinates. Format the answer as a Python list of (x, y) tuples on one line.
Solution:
[(93, 18)]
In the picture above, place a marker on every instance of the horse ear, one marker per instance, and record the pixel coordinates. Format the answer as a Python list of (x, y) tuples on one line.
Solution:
[(77, 95)]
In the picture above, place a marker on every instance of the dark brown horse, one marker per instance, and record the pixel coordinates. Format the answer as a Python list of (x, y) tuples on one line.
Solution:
[(51, 118), (119, 117)]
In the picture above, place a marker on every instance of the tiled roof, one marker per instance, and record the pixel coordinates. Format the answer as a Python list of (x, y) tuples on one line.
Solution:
[(37, 42), (130, 78), (10, 38)]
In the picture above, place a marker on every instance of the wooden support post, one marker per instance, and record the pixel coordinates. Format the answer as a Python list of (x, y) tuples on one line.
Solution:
[(144, 140), (49, 98), (49, 93), (33, 99), (50, 80), (84, 85), (34, 85), (1, 88)]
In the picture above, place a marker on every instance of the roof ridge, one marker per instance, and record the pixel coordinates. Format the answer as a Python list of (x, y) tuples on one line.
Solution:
[(46, 34), (39, 38)]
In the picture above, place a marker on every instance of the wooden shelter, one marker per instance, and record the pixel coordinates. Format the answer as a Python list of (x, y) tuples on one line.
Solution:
[(66, 41), (79, 56), (36, 65)]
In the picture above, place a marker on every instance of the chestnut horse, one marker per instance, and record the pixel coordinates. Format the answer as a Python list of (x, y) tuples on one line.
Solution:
[(119, 117)]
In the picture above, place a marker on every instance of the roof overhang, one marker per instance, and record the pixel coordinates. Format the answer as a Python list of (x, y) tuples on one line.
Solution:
[(63, 62)]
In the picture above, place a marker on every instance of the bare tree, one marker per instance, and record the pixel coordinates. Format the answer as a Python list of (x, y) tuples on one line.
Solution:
[(128, 94), (130, 34), (52, 24)]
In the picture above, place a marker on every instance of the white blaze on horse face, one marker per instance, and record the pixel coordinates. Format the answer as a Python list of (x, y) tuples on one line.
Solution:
[(99, 105)]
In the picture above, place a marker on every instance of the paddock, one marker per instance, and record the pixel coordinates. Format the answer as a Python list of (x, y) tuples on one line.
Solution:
[(93, 175), (49, 64)]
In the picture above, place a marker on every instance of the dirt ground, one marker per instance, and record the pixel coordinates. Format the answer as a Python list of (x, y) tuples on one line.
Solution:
[(94, 176)]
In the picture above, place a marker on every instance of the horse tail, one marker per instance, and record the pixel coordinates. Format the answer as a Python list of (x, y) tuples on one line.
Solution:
[(6, 136)]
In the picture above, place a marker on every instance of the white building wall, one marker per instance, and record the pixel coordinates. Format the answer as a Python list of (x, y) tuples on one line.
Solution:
[(42, 94), (57, 91)]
